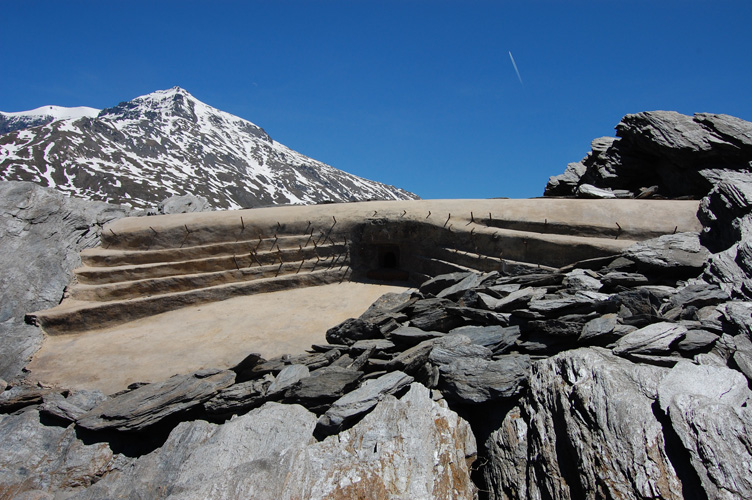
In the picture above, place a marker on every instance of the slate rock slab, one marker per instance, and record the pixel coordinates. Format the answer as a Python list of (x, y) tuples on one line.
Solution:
[(652, 339), (147, 405), (361, 400), (680, 253), (498, 339), (322, 386), (72, 407), (409, 335), (239, 397)]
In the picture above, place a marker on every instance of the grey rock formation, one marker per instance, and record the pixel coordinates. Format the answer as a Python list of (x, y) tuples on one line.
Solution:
[(709, 411), (659, 153), (407, 448), (575, 432), (140, 408), (41, 235), (38, 459)]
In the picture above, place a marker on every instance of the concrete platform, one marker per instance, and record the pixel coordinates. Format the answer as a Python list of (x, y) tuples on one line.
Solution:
[(219, 334)]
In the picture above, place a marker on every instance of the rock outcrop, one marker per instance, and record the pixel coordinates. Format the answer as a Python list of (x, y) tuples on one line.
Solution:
[(41, 234), (660, 153)]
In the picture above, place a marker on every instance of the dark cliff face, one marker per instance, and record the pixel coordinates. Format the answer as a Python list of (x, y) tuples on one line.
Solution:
[(169, 143)]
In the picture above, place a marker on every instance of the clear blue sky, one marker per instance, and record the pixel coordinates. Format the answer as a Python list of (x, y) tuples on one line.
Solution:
[(419, 94)]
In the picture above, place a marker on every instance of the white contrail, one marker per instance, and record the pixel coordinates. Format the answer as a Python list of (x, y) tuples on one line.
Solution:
[(515, 68)]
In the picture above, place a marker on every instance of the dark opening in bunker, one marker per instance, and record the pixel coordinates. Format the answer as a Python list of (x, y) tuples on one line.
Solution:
[(389, 257), (387, 264)]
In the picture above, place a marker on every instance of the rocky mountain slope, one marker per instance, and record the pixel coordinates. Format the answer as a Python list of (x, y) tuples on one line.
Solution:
[(625, 376), (169, 143)]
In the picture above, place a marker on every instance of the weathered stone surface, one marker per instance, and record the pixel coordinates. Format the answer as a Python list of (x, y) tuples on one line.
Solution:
[(147, 405), (413, 358), (498, 339), (578, 429), (42, 232), (471, 281), (72, 407), (600, 329), (519, 299), (652, 339), (247, 457), (287, 377), (407, 448), (681, 253), (378, 345), (699, 295), (18, 396), (474, 380), (582, 279), (447, 349), (410, 335), (438, 283), (432, 315), (708, 408), (39, 459), (322, 386), (240, 397), (695, 341), (361, 400), (351, 330), (590, 191), (619, 278), (719, 384)]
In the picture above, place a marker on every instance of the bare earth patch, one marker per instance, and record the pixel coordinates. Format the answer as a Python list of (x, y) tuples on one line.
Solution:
[(218, 334)]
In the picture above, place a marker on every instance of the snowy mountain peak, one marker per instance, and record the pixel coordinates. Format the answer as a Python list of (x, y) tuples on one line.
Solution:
[(170, 143), (19, 120)]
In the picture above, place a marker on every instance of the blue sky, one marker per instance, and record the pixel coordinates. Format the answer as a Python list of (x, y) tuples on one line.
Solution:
[(418, 94)]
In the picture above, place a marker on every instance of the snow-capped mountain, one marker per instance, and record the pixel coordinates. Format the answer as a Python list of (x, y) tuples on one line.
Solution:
[(169, 143), (42, 116)]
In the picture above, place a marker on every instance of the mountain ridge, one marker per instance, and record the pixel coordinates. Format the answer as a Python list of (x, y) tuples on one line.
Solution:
[(169, 143)]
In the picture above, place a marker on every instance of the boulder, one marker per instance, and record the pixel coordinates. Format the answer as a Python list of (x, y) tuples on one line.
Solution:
[(411, 447), (140, 408), (574, 433), (184, 204), (709, 411)]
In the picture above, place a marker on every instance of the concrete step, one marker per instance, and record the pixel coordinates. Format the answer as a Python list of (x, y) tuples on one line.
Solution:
[(112, 257), (115, 274), (179, 283), (73, 316)]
